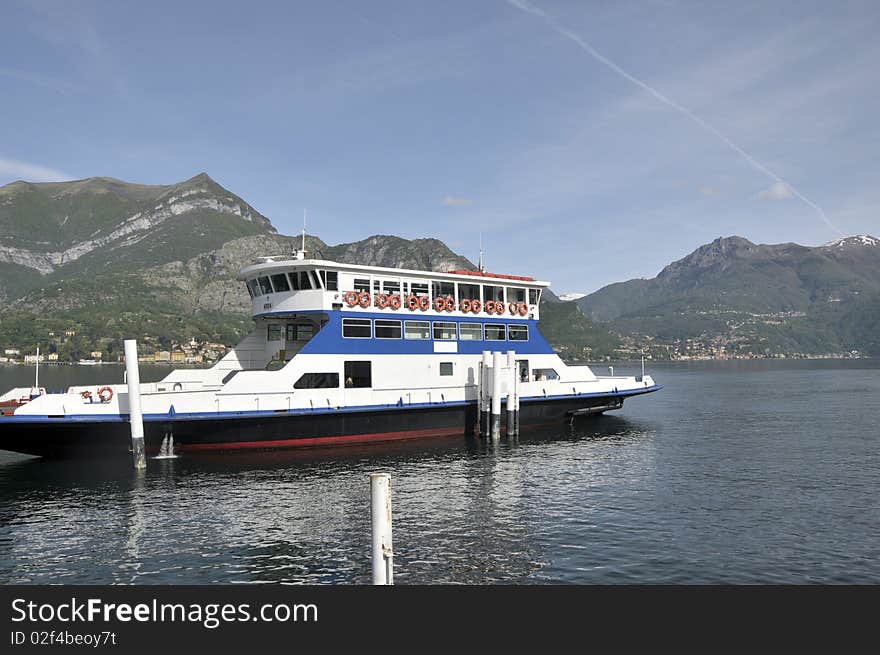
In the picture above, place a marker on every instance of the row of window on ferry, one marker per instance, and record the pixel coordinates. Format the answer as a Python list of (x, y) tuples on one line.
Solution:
[(329, 281), (364, 328)]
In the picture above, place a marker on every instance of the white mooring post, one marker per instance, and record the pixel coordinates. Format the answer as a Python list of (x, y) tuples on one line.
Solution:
[(496, 394), (479, 377), (136, 418), (516, 403), (485, 399), (511, 385), (380, 512)]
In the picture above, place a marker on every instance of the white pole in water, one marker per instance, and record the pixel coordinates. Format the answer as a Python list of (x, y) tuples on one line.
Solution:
[(136, 418), (380, 512), (496, 394), (479, 377), (485, 398), (37, 371), (511, 402), (516, 402)]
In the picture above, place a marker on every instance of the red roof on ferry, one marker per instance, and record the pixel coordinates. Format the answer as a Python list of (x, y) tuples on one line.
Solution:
[(501, 276)]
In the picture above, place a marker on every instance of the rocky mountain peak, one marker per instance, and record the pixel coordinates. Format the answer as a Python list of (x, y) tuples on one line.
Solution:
[(717, 253), (857, 241)]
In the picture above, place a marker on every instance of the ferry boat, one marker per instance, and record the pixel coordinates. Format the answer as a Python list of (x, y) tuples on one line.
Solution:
[(339, 354)]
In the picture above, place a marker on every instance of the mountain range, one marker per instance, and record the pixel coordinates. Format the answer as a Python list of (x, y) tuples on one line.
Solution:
[(737, 297), (116, 260)]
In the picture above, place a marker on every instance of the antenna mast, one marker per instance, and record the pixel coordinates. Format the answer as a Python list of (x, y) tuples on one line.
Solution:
[(482, 268), (301, 253)]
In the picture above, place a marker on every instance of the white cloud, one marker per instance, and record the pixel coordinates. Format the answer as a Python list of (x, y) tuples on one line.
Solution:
[(777, 191), (454, 201), (19, 170)]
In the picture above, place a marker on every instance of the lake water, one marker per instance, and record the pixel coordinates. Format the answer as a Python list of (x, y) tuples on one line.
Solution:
[(736, 472)]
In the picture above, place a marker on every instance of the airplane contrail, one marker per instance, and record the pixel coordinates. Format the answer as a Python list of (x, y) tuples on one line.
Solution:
[(529, 8)]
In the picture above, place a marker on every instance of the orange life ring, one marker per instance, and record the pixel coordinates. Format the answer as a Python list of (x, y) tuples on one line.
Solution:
[(476, 306), (511, 307), (424, 303), (351, 298), (412, 302), (109, 394), (85, 394), (381, 301), (499, 308), (522, 308), (465, 305), (490, 306), (364, 299), (394, 301), (439, 303), (450, 303)]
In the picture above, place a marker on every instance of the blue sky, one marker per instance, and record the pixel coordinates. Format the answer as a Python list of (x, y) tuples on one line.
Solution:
[(589, 142)]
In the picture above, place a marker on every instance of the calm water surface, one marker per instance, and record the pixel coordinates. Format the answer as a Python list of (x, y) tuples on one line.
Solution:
[(735, 472)]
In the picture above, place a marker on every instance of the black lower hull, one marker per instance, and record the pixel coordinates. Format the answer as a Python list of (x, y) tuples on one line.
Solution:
[(63, 438)]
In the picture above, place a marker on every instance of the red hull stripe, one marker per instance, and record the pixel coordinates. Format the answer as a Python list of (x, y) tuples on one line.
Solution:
[(321, 441)]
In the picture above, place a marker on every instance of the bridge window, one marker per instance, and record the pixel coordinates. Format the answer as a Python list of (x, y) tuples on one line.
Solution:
[(518, 332), (356, 328), (444, 331), (253, 287), (495, 332), (358, 375), (471, 331), (491, 292), (386, 329), (330, 280), (445, 368), (468, 292), (534, 296), (516, 294), (279, 281), (265, 286), (317, 381), (305, 282), (417, 330), (361, 284)]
